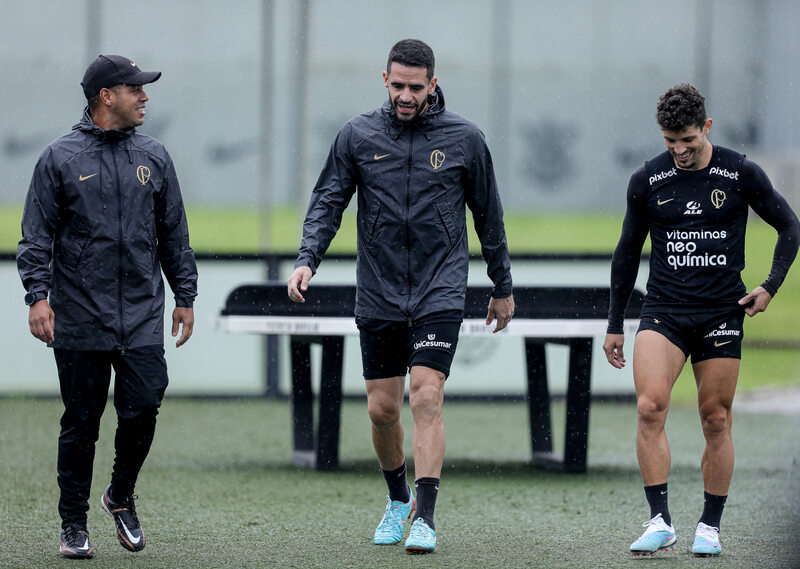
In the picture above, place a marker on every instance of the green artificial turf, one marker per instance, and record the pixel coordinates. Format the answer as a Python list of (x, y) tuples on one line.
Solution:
[(218, 491)]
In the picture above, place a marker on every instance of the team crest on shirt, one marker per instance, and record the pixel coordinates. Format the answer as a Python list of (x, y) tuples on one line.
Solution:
[(437, 159), (717, 198), (143, 174)]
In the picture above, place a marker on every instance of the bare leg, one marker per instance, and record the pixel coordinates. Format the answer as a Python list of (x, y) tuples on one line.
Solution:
[(657, 363), (716, 384), (426, 396), (384, 403)]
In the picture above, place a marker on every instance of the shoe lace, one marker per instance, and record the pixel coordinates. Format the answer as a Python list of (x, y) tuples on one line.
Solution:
[(419, 528), (707, 532), (654, 520), (391, 516), (656, 523), (128, 509), (71, 534)]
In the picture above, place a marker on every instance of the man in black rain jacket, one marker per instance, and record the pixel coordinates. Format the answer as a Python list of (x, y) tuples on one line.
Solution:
[(103, 217), (414, 166)]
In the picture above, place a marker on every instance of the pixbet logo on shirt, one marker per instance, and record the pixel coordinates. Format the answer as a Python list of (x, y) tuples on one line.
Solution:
[(662, 175), (724, 173)]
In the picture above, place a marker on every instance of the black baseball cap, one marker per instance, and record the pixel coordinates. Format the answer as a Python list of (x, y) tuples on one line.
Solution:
[(109, 70)]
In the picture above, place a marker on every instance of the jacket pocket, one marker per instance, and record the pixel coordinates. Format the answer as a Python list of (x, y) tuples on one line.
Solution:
[(371, 224), (148, 260), (72, 248), (447, 221)]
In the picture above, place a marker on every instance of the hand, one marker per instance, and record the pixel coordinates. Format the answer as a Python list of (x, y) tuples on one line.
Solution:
[(613, 349), (503, 310), (41, 320), (758, 299), (297, 282), (185, 316)]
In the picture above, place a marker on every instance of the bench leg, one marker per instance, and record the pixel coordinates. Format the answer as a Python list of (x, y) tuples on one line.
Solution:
[(302, 405), (538, 399), (330, 403), (576, 441)]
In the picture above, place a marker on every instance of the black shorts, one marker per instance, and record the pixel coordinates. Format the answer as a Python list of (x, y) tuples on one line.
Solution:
[(701, 335), (390, 348)]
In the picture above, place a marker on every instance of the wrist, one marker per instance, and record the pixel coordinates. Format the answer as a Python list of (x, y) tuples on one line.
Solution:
[(33, 297)]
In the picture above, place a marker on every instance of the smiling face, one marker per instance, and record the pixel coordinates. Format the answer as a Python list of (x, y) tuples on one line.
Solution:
[(409, 88), (689, 147), (125, 105)]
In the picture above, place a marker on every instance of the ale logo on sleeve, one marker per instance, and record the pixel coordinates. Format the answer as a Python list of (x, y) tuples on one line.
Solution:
[(143, 174), (437, 159), (717, 198)]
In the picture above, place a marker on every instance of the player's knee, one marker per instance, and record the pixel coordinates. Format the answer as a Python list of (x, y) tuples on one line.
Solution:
[(383, 412), (652, 410), (715, 419), (145, 406), (425, 401)]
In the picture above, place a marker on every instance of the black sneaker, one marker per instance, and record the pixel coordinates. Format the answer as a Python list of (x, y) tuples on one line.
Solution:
[(75, 543), (129, 531)]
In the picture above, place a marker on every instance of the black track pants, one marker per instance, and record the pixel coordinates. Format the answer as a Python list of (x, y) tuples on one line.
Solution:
[(139, 385)]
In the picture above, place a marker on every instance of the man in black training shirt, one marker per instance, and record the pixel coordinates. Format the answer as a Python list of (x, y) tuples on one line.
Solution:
[(415, 165), (693, 200)]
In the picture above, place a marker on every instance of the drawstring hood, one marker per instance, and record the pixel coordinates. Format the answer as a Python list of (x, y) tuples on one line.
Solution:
[(86, 124), (113, 136)]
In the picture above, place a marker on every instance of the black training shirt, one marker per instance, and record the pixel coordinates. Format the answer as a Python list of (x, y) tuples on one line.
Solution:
[(696, 220)]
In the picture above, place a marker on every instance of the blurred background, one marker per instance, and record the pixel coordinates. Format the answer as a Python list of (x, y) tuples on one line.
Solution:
[(254, 91)]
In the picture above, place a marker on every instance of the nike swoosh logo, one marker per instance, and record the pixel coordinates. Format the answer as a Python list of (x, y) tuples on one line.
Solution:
[(85, 545), (665, 201), (376, 157), (663, 492), (718, 344), (134, 541), (84, 178)]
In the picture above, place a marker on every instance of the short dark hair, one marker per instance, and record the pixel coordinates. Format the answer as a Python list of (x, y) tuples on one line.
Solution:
[(681, 106), (414, 53)]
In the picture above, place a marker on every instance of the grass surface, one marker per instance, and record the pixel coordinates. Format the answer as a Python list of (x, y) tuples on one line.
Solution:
[(218, 491)]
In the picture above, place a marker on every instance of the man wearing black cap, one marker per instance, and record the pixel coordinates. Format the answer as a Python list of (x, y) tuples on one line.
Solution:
[(103, 218)]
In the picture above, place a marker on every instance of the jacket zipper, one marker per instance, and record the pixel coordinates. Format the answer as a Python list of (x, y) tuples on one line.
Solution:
[(408, 199), (123, 333)]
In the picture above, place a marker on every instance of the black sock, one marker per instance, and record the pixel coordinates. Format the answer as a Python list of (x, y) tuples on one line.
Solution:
[(657, 498), (427, 490), (712, 509), (397, 483)]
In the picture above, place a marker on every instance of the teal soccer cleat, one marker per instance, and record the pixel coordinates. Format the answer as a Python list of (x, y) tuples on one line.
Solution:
[(657, 537), (706, 541), (390, 530), (421, 538)]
